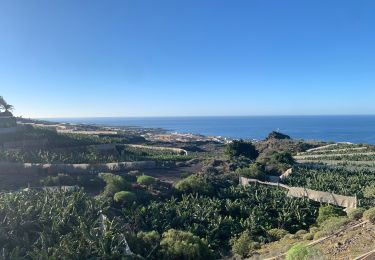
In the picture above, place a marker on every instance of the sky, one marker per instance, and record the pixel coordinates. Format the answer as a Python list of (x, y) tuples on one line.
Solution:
[(88, 58)]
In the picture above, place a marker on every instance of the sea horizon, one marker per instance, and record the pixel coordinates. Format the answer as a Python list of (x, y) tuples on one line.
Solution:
[(336, 128)]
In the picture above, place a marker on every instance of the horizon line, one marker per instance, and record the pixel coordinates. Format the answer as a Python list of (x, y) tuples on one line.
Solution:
[(187, 116)]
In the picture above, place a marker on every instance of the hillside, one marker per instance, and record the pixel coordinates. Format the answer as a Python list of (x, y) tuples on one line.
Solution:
[(157, 193)]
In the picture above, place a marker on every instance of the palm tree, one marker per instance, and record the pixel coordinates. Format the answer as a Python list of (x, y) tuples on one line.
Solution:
[(6, 107), (3, 103)]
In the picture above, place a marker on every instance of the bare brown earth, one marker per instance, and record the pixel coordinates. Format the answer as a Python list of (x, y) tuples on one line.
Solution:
[(350, 242)]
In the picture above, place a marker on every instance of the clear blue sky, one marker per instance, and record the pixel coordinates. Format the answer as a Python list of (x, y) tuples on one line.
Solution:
[(65, 58)]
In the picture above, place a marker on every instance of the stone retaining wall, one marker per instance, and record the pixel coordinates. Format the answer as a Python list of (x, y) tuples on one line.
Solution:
[(318, 196)]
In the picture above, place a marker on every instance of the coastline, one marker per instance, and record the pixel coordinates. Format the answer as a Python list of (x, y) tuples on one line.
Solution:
[(150, 134)]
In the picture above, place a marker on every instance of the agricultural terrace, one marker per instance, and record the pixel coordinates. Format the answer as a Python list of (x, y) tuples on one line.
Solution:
[(38, 145), (202, 214), (344, 169)]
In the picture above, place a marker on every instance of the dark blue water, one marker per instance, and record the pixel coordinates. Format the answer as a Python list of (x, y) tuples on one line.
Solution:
[(356, 129)]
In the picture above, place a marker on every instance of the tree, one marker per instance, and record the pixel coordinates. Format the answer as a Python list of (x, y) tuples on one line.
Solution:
[(183, 245), (241, 148), (5, 106)]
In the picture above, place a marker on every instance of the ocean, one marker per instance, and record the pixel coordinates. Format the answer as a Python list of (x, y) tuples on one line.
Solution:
[(356, 129)]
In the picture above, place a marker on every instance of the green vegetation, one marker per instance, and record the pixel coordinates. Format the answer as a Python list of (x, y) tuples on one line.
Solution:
[(68, 224), (124, 197), (177, 245), (203, 216), (356, 214), (354, 182), (277, 233), (303, 252), (243, 245), (330, 226), (195, 184), (241, 148), (369, 215), (5, 107), (254, 171), (327, 212), (146, 180), (114, 184), (88, 156)]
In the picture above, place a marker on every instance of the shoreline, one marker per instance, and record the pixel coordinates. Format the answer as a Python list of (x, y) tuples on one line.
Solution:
[(150, 134)]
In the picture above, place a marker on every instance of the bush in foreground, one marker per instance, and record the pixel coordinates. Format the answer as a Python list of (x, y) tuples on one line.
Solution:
[(302, 252), (356, 214), (329, 211), (145, 244), (181, 245), (369, 215), (330, 226), (65, 223), (243, 245), (277, 233)]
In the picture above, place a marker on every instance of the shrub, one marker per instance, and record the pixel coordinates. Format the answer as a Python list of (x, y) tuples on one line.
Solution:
[(146, 180), (313, 230), (145, 243), (331, 225), (308, 236), (283, 158), (302, 252), (301, 232), (369, 192), (243, 245), (369, 215), (195, 184), (124, 197), (329, 211), (241, 148), (277, 233), (183, 245), (255, 171), (114, 183), (356, 214)]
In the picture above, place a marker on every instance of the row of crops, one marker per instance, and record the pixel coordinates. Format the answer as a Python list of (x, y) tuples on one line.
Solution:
[(356, 181), (361, 149), (369, 156), (70, 225), (88, 156)]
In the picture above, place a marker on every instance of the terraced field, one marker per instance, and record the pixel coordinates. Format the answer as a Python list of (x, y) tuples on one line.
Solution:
[(345, 169)]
